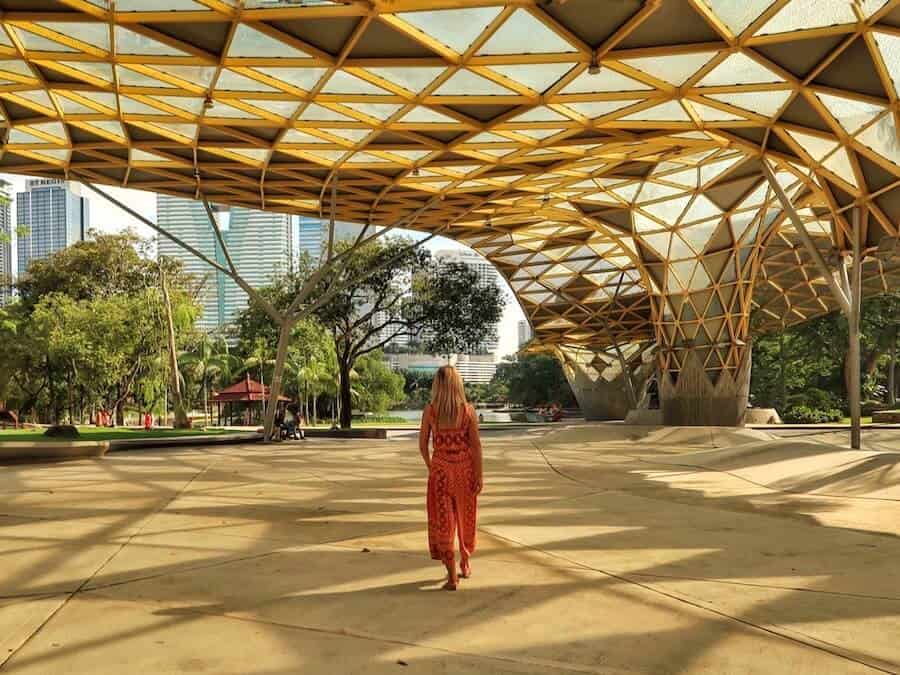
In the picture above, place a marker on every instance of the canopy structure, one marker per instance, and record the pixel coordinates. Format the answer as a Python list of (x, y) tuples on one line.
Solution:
[(246, 390), (607, 157)]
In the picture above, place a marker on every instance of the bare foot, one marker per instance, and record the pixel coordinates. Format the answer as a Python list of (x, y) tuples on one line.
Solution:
[(465, 569), (452, 579)]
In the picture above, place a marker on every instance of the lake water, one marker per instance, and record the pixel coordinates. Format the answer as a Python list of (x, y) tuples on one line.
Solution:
[(416, 415)]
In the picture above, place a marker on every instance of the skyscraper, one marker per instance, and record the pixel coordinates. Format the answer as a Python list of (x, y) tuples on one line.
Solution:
[(525, 333), (312, 235), (487, 274), (5, 243), (261, 244), (51, 214)]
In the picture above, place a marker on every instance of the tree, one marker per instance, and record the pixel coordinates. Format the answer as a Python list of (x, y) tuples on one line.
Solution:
[(409, 294), (383, 289), (805, 366), (534, 379), (378, 388), (91, 329)]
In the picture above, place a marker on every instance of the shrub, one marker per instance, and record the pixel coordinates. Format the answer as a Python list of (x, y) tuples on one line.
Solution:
[(804, 414)]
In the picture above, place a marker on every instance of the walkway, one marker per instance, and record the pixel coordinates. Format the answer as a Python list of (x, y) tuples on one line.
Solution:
[(599, 554)]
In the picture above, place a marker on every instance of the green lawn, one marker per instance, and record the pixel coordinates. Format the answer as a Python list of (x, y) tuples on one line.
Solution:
[(103, 434), (863, 420)]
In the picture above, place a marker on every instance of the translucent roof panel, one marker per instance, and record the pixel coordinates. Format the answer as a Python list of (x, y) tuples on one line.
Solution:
[(522, 33), (457, 29)]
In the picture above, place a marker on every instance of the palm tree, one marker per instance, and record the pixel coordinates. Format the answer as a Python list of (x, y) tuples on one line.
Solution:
[(259, 357), (210, 364)]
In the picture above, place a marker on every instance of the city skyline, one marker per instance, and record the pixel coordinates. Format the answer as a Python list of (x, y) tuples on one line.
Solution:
[(106, 217), (261, 244)]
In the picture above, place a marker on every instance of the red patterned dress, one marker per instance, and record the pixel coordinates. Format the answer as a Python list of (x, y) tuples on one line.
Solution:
[(452, 496)]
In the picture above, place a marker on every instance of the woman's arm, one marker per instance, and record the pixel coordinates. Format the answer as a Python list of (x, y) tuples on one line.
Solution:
[(475, 439), (424, 434)]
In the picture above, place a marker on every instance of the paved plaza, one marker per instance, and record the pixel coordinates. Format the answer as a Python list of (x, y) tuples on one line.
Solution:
[(603, 549)]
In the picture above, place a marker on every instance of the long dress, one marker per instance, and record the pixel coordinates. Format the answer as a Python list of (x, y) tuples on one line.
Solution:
[(452, 500)]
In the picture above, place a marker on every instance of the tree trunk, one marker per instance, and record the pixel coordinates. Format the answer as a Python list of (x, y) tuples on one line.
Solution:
[(284, 339), (181, 419), (346, 396), (892, 372), (782, 380)]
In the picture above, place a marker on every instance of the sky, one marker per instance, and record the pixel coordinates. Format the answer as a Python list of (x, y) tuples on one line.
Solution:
[(105, 217)]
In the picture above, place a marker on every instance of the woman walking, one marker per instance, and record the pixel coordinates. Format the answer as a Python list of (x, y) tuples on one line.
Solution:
[(454, 472)]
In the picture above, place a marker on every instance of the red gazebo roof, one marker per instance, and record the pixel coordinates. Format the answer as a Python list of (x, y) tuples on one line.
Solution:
[(245, 390)]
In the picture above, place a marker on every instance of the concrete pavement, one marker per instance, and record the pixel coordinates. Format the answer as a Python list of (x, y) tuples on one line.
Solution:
[(603, 549)]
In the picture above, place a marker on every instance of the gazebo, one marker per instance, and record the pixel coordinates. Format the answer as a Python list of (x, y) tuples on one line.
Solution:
[(248, 391)]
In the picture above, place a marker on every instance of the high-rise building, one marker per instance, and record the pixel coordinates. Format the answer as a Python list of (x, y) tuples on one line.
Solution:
[(51, 214), (312, 235), (6, 231), (487, 274), (261, 244), (525, 333)]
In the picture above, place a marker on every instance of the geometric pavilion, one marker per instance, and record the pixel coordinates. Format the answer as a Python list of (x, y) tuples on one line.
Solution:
[(615, 160)]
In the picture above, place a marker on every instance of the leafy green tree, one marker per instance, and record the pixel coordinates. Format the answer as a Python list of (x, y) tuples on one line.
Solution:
[(804, 367), (90, 329), (534, 379), (388, 288), (378, 387)]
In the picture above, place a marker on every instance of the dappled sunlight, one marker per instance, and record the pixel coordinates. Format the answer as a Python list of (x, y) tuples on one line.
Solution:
[(598, 552)]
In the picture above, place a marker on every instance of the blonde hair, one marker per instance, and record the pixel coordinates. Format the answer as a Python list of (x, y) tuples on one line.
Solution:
[(448, 396)]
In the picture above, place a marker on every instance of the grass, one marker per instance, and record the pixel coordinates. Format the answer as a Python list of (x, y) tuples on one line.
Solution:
[(104, 434), (863, 420)]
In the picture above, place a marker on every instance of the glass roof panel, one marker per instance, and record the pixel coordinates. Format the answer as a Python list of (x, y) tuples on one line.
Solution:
[(806, 14), (538, 76), (738, 14), (701, 209), (708, 113), (815, 147), (157, 5), (675, 69), (411, 79), (302, 78), (669, 210), (133, 78), (380, 111), (658, 242), (466, 83), (839, 163), (101, 70), (670, 111), (96, 34), (427, 115), (252, 43), (319, 113), (342, 82), (455, 28), (232, 81), (739, 69), (541, 114), (130, 42), (889, 46), (850, 113), (766, 103), (606, 80), (594, 109), (882, 138), (38, 43), (522, 33)]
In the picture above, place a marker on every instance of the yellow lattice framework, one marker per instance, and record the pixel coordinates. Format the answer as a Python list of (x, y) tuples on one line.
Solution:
[(604, 155)]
